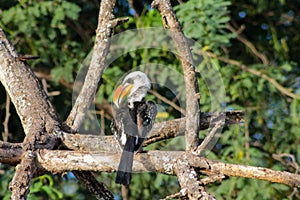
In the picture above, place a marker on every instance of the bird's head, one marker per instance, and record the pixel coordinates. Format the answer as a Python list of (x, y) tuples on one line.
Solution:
[(135, 86)]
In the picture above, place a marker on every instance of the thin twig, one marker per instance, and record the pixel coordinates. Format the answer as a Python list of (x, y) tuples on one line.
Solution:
[(125, 192), (247, 141), (282, 89), (102, 117), (213, 135), (292, 162), (172, 196), (131, 4), (212, 179), (45, 87), (261, 56), (171, 103), (6, 119)]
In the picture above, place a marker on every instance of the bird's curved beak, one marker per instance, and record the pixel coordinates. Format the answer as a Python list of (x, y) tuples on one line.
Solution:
[(120, 93)]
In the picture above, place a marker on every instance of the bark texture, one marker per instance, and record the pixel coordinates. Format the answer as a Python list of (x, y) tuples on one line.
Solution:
[(191, 84)]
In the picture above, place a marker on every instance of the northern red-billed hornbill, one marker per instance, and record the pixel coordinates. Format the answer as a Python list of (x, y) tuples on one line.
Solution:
[(133, 120)]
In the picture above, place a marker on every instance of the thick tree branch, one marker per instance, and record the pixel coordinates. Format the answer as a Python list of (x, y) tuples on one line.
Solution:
[(98, 189), (10, 153), (25, 171), (97, 65), (176, 127), (191, 84), (106, 23), (189, 181), (56, 161), (293, 180), (32, 104), (36, 113), (160, 131)]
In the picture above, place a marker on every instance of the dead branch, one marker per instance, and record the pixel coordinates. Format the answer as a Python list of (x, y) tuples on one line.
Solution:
[(176, 127), (189, 180), (160, 131), (36, 113), (97, 188), (10, 153), (25, 91), (56, 161), (6, 119), (287, 160), (164, 99), (192, 91), (173, 196), (213, 135), (293, 180), (106, 23), (25, 171)]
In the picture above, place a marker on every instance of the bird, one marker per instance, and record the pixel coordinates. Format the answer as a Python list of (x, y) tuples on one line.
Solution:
[(133, 120)]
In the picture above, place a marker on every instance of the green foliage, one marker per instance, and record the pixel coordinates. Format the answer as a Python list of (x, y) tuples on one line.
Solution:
[(44, 184), (5, 176), (205, 21), (41, 29)]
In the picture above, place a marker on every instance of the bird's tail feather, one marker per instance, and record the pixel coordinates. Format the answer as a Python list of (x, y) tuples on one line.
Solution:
[(125, 166)]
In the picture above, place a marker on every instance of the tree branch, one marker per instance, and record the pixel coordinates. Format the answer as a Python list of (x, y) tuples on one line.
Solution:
[(25, 171), (6, 119), (176, 127), (192, 92), (212, 137), (160, 131), (97, 188), (106, 23), (36, 113), (10, 153), (57, 161), (215, 167), (164, 99), (188, 180)]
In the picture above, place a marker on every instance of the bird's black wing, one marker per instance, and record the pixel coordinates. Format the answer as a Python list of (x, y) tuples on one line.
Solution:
[(131, 127), (124, 124), (146, 113)]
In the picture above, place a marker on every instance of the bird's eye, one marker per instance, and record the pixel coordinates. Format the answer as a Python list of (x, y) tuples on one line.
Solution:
[(130, 81)]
